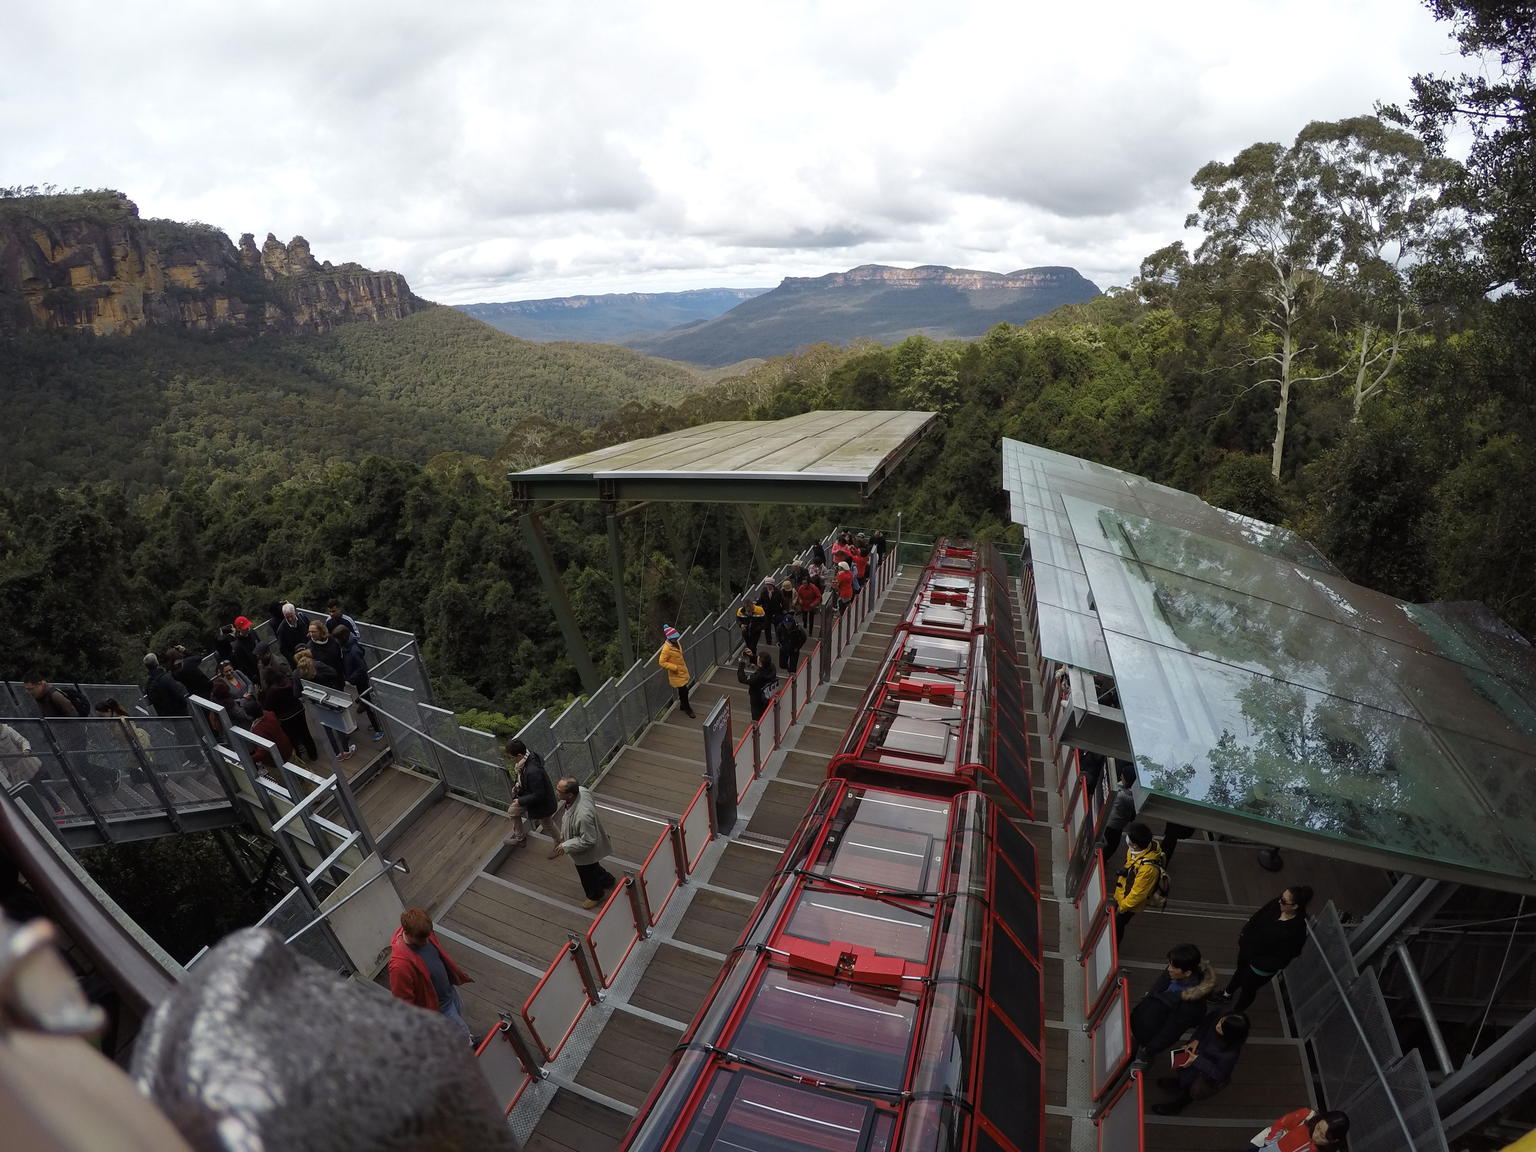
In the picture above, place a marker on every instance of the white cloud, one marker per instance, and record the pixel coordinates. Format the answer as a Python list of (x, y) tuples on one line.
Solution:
[(503, 150)]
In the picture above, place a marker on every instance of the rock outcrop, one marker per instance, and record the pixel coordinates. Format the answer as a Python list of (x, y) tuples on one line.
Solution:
[(89, 263)]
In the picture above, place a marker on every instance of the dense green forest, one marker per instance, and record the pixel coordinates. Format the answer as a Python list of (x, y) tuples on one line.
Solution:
[(1348, 349), (157, 406)]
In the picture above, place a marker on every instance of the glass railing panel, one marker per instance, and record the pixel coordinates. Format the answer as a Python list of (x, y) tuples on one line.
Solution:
[(613, 934), (658, 875), (695, 824), (556, 1004)]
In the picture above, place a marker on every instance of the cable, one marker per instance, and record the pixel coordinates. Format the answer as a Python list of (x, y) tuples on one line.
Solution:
[(1477, 923), (1497, 982)]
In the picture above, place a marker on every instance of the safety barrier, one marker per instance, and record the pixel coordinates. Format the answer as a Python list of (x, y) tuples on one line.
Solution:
[(616, 929), (558, 1001), (662, 873), (502, 1067), (698, 827)]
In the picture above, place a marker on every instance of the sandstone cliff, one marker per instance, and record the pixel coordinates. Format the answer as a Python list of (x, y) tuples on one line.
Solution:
[(88, 263)]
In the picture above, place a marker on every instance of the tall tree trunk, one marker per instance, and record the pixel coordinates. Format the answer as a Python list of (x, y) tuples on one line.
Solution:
[(1282, 409)]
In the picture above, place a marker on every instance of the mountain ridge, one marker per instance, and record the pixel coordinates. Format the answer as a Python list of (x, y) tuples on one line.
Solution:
[(607, 317), (875, 302), (88, 262)]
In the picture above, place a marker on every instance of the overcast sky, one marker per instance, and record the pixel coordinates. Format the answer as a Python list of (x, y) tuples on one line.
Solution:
[(507, 150)]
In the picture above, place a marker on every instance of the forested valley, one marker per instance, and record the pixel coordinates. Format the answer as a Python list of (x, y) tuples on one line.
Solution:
[(1347, 348)]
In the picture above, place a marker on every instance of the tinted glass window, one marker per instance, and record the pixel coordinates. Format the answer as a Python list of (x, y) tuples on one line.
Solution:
[(744, 1110), (1010, 1086), (1017, 906), (1014, 846), (1014, 984), (944, 1065), (890, 929), (832, 1030)]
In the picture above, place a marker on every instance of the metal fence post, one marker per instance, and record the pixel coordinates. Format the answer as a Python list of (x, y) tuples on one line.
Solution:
[(76, 783), (639, 906), (757, 751), (521, 1046), (679, 851), (584, 967)]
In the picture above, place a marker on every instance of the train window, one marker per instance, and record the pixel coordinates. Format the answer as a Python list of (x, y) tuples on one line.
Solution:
[(1014, 983), (747, 1110), (1016, 905), (828, 1029), (938, 652), (890, 929), (1010, 1086), (894, 842), (920, 737), (933, 1126)]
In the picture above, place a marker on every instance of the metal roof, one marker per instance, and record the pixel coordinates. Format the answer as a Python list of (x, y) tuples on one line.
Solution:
[(1266, 696), (814, 458)]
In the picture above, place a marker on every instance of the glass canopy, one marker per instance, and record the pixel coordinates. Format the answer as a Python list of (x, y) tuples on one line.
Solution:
[(1259, 684)]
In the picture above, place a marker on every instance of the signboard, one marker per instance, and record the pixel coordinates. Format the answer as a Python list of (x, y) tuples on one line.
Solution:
[(720, 764)]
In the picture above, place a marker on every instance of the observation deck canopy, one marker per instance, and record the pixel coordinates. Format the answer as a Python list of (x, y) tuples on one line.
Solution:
[(813, 458), (1264, 695)]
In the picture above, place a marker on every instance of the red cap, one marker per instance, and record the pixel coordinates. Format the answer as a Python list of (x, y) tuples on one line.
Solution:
[(243, 623)]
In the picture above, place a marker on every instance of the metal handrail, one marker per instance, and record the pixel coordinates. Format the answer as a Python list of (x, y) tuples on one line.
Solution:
[(1365, 1041)]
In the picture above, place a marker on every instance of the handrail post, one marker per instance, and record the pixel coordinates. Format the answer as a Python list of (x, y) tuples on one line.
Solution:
[(679, 851), (776, 709), (709, 808), (533, 1067), (76, 783), (584, 968), (757, 751), (639, 906), (156, 785)]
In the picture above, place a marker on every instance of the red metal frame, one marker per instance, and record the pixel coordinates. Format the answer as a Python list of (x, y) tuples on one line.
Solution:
[(1093, 998), (533, 1030), (1092, 872), (493, 1035), (662, 843), (1123, 993), (1133, 1083), (701, 794), (607, 978)]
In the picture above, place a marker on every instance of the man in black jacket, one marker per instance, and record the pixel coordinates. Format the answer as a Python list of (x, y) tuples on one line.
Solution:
[(533, 796), (187, 669), (1175, 1002), (771, 602), (289, 631), (167, 696)]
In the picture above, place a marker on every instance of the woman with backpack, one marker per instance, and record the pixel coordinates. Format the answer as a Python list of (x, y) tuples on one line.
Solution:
[(1272, 938), (1137, 881)]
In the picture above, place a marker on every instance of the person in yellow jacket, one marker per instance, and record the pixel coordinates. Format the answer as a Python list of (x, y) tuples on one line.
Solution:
[(676, 667), (1135, 883)]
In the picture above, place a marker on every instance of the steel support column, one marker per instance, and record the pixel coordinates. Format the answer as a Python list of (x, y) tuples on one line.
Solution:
[(1412, 900), (750, 520), (575, 644), (620, 601), (1426, 1009), (1477, 1071)]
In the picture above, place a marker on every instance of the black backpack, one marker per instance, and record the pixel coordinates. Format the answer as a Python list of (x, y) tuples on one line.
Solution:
[(75, 697)]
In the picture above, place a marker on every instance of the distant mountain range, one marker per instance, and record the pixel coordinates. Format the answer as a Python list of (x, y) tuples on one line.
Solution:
[(719, 326), (608, 319), (871, 302)]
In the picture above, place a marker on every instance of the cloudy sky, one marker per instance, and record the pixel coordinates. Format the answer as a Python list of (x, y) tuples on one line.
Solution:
[(507, 150)]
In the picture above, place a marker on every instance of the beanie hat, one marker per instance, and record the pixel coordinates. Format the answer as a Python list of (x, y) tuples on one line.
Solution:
[(243, 623), (669, 632), (151, 660)]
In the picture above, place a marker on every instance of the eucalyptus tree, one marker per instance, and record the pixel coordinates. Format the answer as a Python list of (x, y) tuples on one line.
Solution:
[(1261, 212), (1382, 194)]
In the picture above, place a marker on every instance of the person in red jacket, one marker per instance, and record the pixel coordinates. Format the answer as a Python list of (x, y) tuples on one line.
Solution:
[(808, 600), (421, 973), (844, 585), (1304, 1131)]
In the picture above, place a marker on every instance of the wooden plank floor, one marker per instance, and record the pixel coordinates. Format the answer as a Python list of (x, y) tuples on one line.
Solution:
[(388, 795), (573, 1123), (629, 1055), (497, 987), (780, 809), (745, 868), (714, 921), (443, 848), (514, 923), (676, 982)]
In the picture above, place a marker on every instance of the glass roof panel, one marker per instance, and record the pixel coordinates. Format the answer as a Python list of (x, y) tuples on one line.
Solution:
[(1058, 551), (1216, 734), (890, 929), (1073, 638), (1063, 588)]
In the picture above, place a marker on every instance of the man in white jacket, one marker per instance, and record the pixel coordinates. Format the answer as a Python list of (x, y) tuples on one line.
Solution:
[(583, 840)]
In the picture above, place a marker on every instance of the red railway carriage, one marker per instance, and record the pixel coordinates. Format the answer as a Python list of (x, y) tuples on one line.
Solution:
[(947, 711), (885, 996)]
